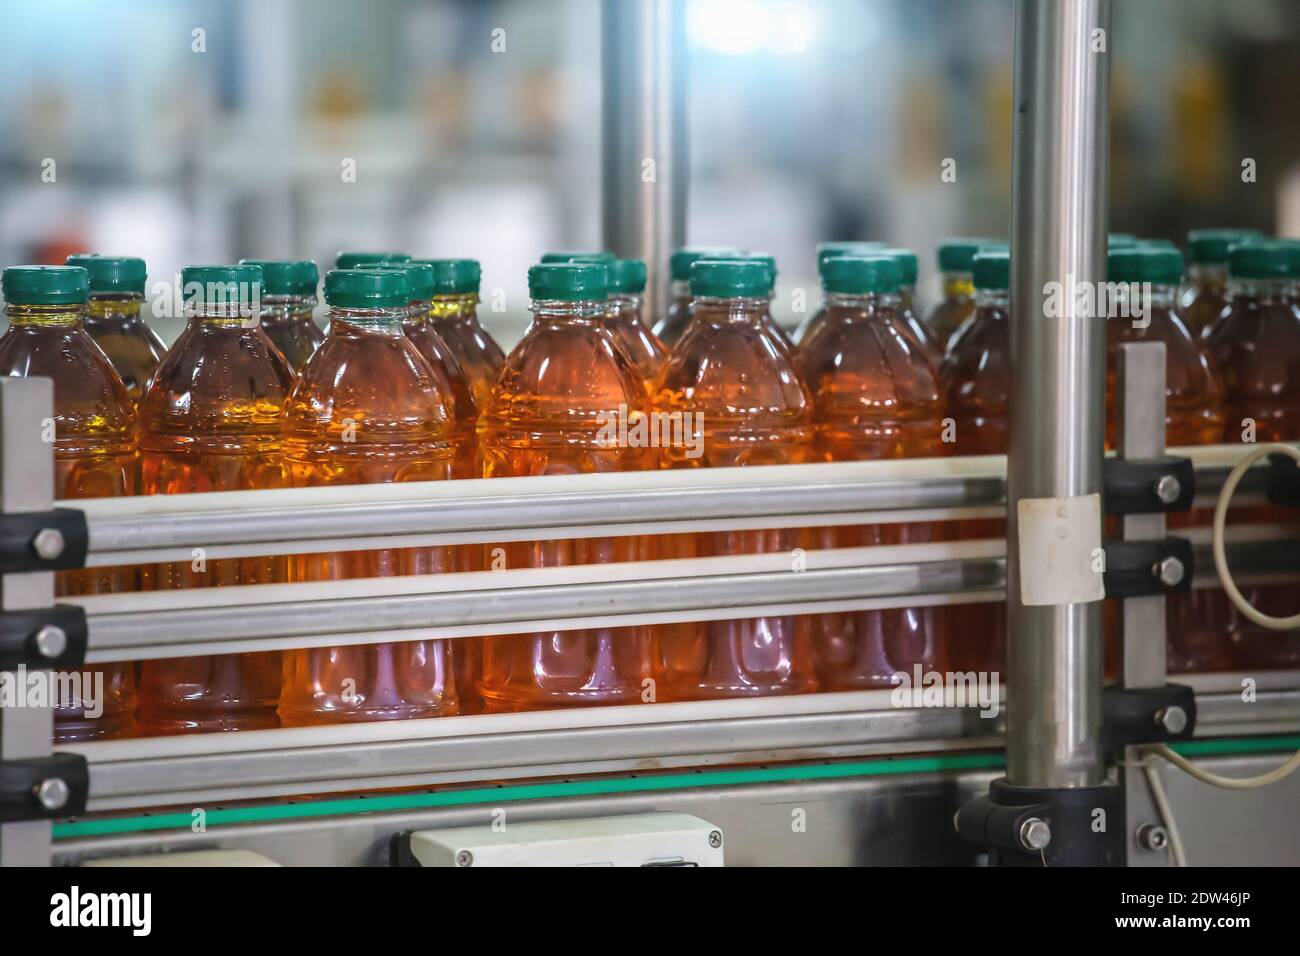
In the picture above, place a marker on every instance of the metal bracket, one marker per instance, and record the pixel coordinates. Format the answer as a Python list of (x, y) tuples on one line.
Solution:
[(1284, 481), (53, 540), (1148, 485), (1030, 826), (43, 788), (53, 637), (1146, 715), (1148, 568)]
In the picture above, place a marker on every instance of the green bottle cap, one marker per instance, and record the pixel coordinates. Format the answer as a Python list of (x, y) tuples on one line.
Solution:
[(958, 255), (1210, 246), (297, 277), (861, 275), (222, 285), (354, 260), (1264, 259), (991, 269), (830, 250), (569, 281), (370, 288), (1159, 265), (112, 274), (419, 277), (626, 276), (907, 262), (1148, 244), (1120, 239), (556, 258), (45, 285), (681, 261), (731, 278), (454, 276)]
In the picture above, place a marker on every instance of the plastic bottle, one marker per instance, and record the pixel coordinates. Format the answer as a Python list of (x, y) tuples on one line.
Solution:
[(367, 408), (1205, 295), (1256, 346), (114, 319), (211, 422), (672, 325), (955, 257), (94, 457), (454, 314), (733, 384), (975, 378), (288, 298), (875, 396), (561, 390)]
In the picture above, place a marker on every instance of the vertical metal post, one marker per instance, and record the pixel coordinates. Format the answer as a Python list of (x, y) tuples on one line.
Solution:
[(1057, 417), (26, 484), (644, 162)]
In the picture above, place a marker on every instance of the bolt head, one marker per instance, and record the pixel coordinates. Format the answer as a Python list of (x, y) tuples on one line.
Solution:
[(1152, 836), (1170, 572), (1172, 719), (715, 838), (1035, 834), (50, 641), (48, 543), (1168, 488), (464, 858), (52, 794)]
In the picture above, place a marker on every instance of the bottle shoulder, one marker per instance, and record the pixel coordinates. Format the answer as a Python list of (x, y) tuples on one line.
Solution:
[(89, 395), (867, 362)]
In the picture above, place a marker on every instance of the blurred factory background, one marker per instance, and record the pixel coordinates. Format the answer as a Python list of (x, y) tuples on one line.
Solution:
[(474, 126)]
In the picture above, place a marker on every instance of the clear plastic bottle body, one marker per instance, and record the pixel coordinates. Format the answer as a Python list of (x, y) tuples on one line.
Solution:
[(634, 336), (288, 323), (211, 422), (875, 396), (952, 311), (733, 383), (559, 392), (115, 322), (455, 319), (94, 457), (368, 408), (1256, 346), (1203, 298), (975, 379), (672, 326)]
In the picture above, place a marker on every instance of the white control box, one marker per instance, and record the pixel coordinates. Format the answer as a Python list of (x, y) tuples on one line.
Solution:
[(645, 839)]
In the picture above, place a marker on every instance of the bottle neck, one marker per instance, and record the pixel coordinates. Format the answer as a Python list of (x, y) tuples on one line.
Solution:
[(623, 305), (119, 309), (746, 310), (417, 313), (1208, 275), (993, 299), (865, 301), (67, 316), (1263, 291), (1134, 298), (958, 286), (223, 314), (680, 289), (287, 308), (387, 321), (452, 307), (564, 310)]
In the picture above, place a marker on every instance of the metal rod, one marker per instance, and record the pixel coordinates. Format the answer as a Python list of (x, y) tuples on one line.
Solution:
[(644, 162), (1058, 383)]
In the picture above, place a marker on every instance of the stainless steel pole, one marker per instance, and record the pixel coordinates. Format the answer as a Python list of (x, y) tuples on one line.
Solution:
[(1058, 235), (644, 166)]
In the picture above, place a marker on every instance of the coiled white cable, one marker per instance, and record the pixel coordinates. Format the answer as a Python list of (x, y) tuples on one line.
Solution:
[(1220, 552)]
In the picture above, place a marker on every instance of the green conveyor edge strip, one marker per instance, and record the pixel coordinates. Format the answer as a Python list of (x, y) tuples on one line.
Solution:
[(883, 766)]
